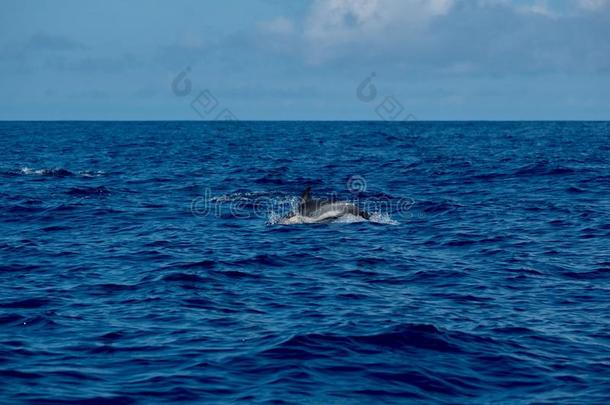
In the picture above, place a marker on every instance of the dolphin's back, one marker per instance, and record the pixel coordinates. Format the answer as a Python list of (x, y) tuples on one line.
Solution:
[(336, 209), (310, 206), (321, 210)]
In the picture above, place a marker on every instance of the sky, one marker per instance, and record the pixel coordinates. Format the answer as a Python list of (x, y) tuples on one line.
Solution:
[(305, 60)]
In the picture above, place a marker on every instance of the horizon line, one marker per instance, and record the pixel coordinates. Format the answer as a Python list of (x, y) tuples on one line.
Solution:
[(304, 120)]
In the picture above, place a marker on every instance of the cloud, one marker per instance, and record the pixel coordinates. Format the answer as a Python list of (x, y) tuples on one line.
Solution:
[(278, 26), (94, 94), (549, 8), (94, 64), (336, 23), (145, 93), (48, 42), (593, 4), (452, 36), (447, 37)]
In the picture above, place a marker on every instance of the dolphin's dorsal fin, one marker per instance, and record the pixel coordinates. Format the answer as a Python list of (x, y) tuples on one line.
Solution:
[(306, 194)]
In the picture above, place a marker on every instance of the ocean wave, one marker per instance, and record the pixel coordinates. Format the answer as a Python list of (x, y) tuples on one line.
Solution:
[(184, 277), (54, 172), (91, 173), (205, 264), (493, 287), (30, 303), (8, 318), (57, 172), (88, 191), (400, 337), (259, 260), (543, 168)]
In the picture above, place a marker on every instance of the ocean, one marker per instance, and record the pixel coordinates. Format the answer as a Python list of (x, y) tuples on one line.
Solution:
[(146, 262)]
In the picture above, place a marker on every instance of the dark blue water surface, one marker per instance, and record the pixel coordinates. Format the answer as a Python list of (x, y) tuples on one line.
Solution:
[(144, 262)]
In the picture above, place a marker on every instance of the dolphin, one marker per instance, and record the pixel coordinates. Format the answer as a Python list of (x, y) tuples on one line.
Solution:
[(312, 210)]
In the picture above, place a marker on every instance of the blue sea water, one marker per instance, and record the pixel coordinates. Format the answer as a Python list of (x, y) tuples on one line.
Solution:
[(143, 262)]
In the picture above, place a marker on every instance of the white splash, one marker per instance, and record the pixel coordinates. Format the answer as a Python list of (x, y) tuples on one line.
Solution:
[(89, 173), (28, 170), (385, 219), (277, 219)]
